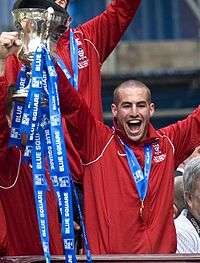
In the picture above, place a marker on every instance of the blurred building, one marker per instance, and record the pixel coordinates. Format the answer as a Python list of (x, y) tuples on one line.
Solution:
[(5, 14), (156, 19), (161, 47)]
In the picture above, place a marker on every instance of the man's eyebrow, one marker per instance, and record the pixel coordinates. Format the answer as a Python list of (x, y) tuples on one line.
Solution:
[(142, 101), (126, 102), (137, 102)]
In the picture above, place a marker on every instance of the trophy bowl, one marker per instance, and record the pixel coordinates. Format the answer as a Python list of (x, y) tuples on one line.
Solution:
[(38, 26)]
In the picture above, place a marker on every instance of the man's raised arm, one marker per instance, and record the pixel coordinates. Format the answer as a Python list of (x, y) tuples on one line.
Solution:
[(84, 130), (105, 30)]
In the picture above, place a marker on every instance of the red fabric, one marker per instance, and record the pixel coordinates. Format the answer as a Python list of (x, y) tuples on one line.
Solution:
[(111, 202), (3, 232), (97, 38)]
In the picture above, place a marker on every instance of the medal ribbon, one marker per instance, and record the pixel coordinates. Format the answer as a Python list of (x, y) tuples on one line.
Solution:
[(140, 178), (74, 60)]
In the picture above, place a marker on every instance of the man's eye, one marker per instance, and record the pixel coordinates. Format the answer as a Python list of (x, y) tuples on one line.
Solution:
[(126, 105), (141, 105)]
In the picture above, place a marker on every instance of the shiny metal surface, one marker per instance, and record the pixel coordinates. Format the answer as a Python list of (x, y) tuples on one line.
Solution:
[(37, 27)]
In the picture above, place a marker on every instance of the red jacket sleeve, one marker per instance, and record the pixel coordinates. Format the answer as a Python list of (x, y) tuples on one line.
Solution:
[(87, 134), (106, 29), (184, 135)]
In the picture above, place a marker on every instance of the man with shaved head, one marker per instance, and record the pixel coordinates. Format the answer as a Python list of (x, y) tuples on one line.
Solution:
[(129, 170)]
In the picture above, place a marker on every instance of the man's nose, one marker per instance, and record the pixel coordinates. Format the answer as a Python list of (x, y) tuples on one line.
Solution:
[(134, 110)]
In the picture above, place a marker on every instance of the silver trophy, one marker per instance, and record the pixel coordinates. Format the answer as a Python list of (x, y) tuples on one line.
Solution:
[(38, 26)]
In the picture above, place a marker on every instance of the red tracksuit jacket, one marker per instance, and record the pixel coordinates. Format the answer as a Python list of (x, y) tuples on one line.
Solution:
[(96, 40), (111, 202)]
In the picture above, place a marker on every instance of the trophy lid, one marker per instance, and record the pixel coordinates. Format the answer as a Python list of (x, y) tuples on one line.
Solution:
[(41, 4)]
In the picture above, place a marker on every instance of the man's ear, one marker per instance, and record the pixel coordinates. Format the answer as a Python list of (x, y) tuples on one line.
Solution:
[(114, 110), (152, 109)]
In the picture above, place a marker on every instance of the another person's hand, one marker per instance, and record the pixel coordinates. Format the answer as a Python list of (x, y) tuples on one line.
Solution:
[(9, 44)]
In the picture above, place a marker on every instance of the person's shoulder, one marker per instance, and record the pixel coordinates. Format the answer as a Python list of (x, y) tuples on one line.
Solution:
[(188, 241), (182, 216), (187, 236), (184, 228), (182, 223)]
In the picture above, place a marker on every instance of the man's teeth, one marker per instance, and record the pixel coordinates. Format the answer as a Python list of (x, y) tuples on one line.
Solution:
[(134, 122), (134, 125)]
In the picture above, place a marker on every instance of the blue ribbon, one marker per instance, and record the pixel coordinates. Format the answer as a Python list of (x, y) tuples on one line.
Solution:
[(18, 108), (45, 124), (40, 121), (43, 84), (74, 60), (140, 178), (15, 135), (61, 162), (30, 118), (34, 151), (74, 82), (40, 188)]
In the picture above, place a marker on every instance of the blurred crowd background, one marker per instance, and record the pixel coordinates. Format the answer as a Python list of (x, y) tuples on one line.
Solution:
[(161, 48)]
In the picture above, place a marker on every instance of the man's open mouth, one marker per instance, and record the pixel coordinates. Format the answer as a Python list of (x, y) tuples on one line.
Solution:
[(134, 125)]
